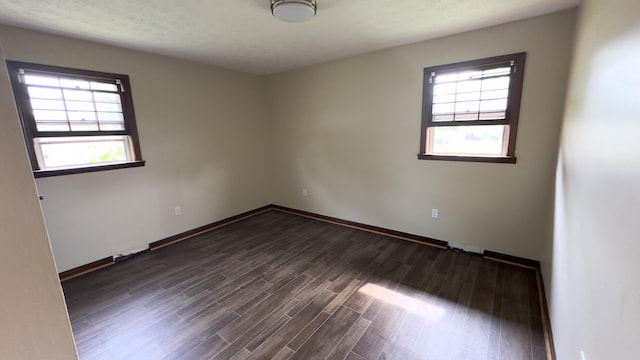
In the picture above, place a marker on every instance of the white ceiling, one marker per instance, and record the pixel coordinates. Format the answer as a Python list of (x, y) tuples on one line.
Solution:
[(242, 34)]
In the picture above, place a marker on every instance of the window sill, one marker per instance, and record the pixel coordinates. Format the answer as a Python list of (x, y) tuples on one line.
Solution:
[(88, 169), (485, 159)]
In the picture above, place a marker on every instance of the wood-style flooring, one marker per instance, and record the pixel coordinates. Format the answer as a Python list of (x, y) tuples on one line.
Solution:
[(281, 286)]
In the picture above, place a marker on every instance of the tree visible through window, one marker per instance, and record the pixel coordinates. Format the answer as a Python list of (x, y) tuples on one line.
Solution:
[(470, 110), (75, 120)]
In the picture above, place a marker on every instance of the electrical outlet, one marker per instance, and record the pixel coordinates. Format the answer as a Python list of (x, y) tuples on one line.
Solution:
[(435, 213), (177, 210), (304, 192)]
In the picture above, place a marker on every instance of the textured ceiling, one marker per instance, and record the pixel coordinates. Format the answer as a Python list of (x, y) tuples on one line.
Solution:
[(242, 34)]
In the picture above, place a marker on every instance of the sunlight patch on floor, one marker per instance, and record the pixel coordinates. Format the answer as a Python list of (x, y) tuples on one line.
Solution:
[(418, 307)]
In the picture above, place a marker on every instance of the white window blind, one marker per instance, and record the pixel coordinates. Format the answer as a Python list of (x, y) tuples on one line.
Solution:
[(471, 95), (63, 104)]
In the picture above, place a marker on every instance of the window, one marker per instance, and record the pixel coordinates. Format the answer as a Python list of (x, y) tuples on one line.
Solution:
[(74, 120), (470, 110)]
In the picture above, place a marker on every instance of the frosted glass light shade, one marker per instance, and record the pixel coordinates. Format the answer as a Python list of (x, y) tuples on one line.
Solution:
[(293, 10)]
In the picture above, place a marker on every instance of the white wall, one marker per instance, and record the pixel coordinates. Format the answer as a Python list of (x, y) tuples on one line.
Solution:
[(595, 283), (349, 132), (33, 317), (205, 136)]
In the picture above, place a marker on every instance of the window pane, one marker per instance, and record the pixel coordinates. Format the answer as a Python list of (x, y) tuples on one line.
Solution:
[(76, 105), (468, 140), (492, 105), (40, 115), (470, 93), (110, 117), (498, 115), (497, 71), (78, 95), (444, 98), (469, 86), (444, 89), (84, 126), (466, 116), (80, 105), (74, 83), (446, 77), (79, 151), (86, 105), (103, 86), (108, 107), (47, 104), (495, 94), (44, 93), (468, 96), (447, 108), (106, 97), (41, 80), (62, 126), (111, 126), (443, 117), (495, 83), (467, 106), (468, 75), (82, 115)]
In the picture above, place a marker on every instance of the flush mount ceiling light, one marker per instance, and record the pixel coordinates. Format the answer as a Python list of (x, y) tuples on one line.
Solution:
[(294, 10)]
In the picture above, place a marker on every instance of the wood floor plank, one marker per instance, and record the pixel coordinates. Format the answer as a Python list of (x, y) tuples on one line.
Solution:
[(254, 330), (245, 292), (231, 284), (192, 334), (475, 334), (308, 330), (345, 346), (283, 354), (274, 327), (241, 355), (130, 338), (299, 321), (535, 314), (242, 309), (354, 356), (515, 332), (345, 294), (496, 313), (380, 331), (330, 333), (261, 310), (206, 349), (280, 286), (459, 308)]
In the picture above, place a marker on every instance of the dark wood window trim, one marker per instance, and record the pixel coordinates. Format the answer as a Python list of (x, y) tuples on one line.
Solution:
[(512, 111), (30, 130), (88, 169), (484, 159)]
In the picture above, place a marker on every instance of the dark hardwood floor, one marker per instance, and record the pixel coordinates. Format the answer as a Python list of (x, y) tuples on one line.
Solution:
[(281, 286)]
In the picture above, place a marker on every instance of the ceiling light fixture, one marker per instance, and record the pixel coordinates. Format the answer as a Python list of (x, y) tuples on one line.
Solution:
[(294, 10)]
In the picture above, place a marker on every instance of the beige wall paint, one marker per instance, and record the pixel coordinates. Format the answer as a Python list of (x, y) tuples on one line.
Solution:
[(595, 287), (33, 317), (348, 131), (204, 134)]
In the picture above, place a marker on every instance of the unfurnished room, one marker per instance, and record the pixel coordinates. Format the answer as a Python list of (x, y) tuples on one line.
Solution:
[(319, 179)]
